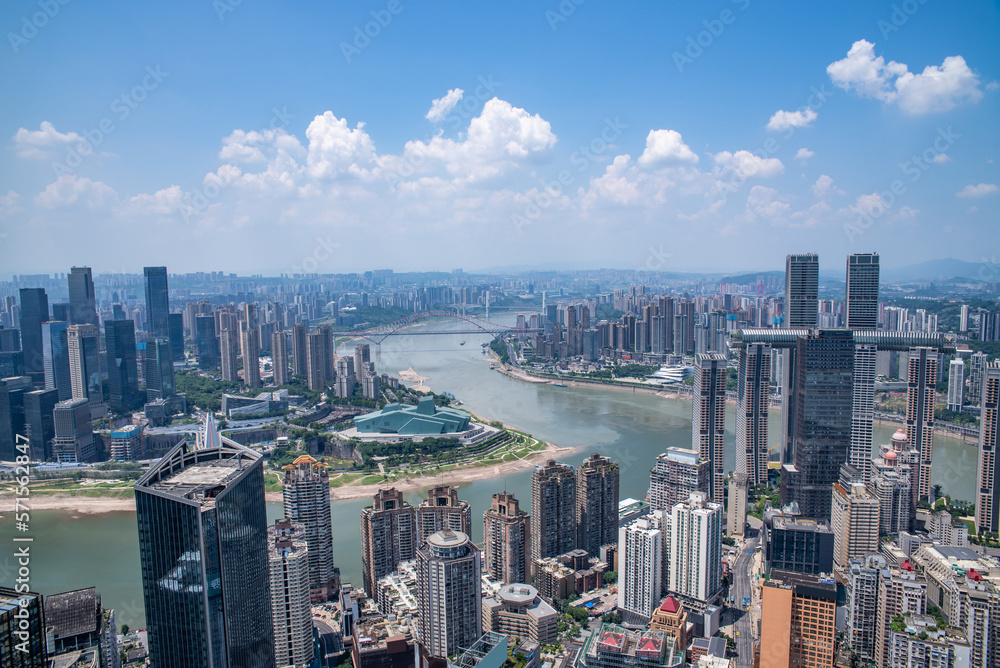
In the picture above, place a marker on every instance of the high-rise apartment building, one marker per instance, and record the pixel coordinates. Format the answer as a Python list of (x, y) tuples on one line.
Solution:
[(921, 381), (854, 519), (157, 301), (736, 517), (596, 504), (206, 341), (861, 584), (84, 363), (641, 559), (55, 358), (317, 363), (891, 482), (34, 311), (861, 300), (345, 379), (305, 492), (279, 357), (956, 385), (250, 349), (443, 510), (204, 554), (123, 369), (74, 440), (388, 536), (988, 478), (863, 410), (753, 394), (230, 350), (553, 510), (82, 300), (329, 352), (371, 387), (507, 540), (977, 371), (709, 418), (675, 475), (824, 382), (801, 291), (449, 594), (300, 364), (800, 611), (362, 355), (288, 564), (694, 550), (900, 592)]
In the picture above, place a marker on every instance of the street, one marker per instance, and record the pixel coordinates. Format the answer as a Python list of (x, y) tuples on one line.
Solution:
[(326, 643), (743, 580)]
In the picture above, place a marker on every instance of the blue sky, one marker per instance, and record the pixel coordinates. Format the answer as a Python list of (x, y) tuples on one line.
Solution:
[(267, 137)]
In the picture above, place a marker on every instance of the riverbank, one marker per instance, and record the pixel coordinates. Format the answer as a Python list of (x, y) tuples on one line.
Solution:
[(84, 505)]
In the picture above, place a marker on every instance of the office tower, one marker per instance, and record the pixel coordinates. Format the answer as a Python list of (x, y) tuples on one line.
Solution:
[(861, 300), (329, 352), (74, 439), (12, 419), (159, 370), (641, 561), (370, 384), (854, 518), (39, 406), (753, 395), (553, 510), (676, 474), (801, 291), (921, 382), (300, 363), (362, 355), (442, 510), (306, 495), (82, 300), (449, 594), (345, 380), (956, 385), (694, 550), (794, 544), (288, 563), (388, 535), (736, 518), (203, 551), (822, 422), (891, 482), (963, 318), (10, 340), (34, 311), (863, 410), (709, 418), (11, 364), (900, 592), (22, 613), (988, 499), (977, 371), (175, 329), (517, 610), (316, 367), (123, 369), (861, 584), (206, 341), (157, 301), (279, 358), (84, 363), (229, 341), (126, 443), (596, 504), (800, 611), (55, 358), (507, 540)]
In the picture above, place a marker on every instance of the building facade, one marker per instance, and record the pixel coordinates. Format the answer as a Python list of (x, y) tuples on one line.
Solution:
[(449, 593), (709, 418), (988, 498), (553, 510), (388, 535), (596, 503), (306, 494), (507, 540), (443, 510), (288, 565), (753, 395), (675, 475)]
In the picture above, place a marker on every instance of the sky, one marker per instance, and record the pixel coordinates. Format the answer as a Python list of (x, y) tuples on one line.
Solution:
[(265, 137)]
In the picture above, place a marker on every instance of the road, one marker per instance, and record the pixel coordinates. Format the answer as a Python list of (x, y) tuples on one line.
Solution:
[(743, 578), (326, 632)]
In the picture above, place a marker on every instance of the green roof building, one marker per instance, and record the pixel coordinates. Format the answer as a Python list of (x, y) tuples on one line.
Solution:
[(424, 418)]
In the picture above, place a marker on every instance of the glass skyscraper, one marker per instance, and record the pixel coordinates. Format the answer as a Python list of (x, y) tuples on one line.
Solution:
[(123, 370), (157, 301), (82, 300), (34, 311)]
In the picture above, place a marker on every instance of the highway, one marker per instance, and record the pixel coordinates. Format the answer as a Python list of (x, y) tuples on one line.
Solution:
[(326, 632), (743, 578)]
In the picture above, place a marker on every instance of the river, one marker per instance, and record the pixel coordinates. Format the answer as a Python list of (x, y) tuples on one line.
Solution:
[(74, 550)]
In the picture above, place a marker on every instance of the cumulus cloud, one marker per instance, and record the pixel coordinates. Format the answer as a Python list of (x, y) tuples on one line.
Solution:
[(747, 165), (941, 158), (804, 154), (824, 186), (665, 147), (337, 150), (39, 144), (442, 106), (764, 202), (248, 147), (161, 203), (69, 190), (782, 120), (10, 204), (937, 88), (981, 190)]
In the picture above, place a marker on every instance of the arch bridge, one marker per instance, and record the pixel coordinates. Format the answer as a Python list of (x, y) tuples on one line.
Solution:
[(476, 326)]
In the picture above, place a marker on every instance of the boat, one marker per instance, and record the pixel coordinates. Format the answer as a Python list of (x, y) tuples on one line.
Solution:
[(462, 343), (558, 385)]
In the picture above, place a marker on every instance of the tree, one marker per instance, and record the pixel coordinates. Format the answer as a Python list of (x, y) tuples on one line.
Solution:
[(125, 629), (610, 577)]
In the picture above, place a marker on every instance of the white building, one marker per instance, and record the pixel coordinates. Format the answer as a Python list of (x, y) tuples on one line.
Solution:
[(641, 563), (694, 550), (956, 385)]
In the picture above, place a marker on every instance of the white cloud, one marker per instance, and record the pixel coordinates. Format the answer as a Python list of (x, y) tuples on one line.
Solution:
[(442, 106), (871, 205), (10, 204), (38, 144), (937, 88), (764, 202), (804, 154), (747, 165), (161, 203), (907, 212), (246, 147), (782, 120), (664, 147), (942, 158), (972, 210), (824, 185), (981, 190), (70, 190), (337, 150)]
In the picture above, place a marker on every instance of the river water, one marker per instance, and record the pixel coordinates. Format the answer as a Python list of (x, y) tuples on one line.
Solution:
[(73, 550)]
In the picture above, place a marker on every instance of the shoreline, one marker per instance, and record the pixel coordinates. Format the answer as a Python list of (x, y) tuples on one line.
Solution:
[(82, 505)]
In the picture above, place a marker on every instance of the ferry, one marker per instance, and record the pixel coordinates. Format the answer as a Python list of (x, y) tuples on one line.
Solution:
[(558, 385)]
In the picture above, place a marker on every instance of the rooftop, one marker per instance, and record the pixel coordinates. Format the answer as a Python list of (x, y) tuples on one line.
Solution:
[(198, 474), (73, 613)]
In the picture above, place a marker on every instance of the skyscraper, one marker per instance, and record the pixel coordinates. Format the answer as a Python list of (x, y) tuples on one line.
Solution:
[(288, 563), (39, 407), (316, 366), (84, 363), (441, 510), (449, 594), (34, 311), (988, 480), (921, 383), (596, 504), (753, 394), (507, 540), (709, 418), (800, 611), (824, 382), (250, 347), (863, 408), (362, 355), (553, 510), (306, 495), (157, 301), (801, 291), (22, 612), (675, 475), (279, 357), (861, 302), (388, 536), (74, 440), (82, 300), (641, 562), (123, 370), (956, 385), (694, 550), (204, 555), (300, 364), (854, 518), (55, 358), (159, 368), (175, 327), (230, 350), (345, 379), (12, 425), (206, 341)]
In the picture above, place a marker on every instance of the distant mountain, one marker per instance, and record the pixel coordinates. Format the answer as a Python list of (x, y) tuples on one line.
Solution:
[(933, 270)]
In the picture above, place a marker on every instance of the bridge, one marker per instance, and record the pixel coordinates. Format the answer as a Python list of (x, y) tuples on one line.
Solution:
[(477, 326)]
